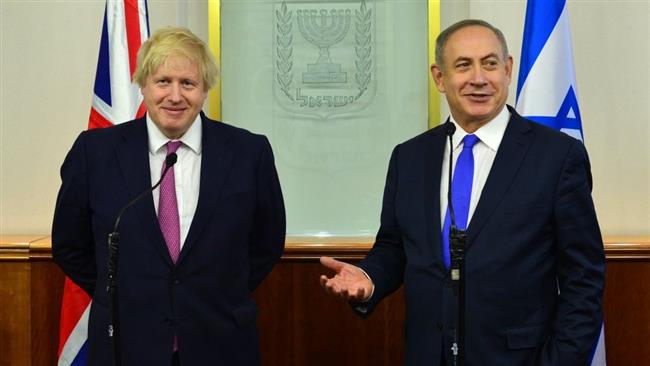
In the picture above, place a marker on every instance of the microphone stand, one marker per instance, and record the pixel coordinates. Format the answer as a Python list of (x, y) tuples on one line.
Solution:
[(113, 256), (457, 239), (457, 248)]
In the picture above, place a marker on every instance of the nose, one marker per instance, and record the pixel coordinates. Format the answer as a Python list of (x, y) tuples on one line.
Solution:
[(174, 93), (478, 77)]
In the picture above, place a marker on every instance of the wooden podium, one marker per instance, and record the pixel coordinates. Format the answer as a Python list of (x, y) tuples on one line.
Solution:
[(299, 324)]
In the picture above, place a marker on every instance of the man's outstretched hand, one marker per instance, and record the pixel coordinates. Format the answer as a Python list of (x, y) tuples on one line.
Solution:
[(349, 282)]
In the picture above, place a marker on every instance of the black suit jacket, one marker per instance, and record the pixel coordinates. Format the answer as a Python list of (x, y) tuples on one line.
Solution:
[(235, 238), (534, 231)]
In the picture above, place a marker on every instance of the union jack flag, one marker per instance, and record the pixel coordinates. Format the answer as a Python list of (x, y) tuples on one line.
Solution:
[(116, 99)]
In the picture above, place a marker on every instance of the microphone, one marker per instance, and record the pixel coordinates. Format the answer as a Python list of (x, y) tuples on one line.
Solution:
[(450, 129), (456, 237), (113, 250), (457, 240)]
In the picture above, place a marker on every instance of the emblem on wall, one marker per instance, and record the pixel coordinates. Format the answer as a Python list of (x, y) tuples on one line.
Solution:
[(324, 57)]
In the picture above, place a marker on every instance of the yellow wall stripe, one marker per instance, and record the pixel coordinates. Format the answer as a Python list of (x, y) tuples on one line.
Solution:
[(214, 42), (434, 30)]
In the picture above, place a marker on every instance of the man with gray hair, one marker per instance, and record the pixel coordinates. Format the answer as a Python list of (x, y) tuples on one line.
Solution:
[(534, 260)]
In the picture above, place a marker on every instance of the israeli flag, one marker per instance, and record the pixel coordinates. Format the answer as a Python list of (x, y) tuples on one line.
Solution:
[(546, 89)]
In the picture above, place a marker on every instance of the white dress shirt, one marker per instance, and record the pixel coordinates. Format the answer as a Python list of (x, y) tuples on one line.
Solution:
[(187, 170), (490, 136)]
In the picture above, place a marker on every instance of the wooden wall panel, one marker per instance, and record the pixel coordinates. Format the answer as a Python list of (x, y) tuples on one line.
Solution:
[(299, 324), (46, 291), (317, 323), (14, 314), (627, 313)]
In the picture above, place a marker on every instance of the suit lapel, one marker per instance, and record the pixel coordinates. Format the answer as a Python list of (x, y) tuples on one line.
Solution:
[(433, 153), (133, 159), (216, 159), (512, 151)]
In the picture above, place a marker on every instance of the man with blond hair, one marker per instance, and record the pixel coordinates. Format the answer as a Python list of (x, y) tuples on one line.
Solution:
[(191, 252)]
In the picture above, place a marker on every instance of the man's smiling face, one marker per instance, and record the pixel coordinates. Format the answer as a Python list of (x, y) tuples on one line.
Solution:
[(475, 76), (174, 95)]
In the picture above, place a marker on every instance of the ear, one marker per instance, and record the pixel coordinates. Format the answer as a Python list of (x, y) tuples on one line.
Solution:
[(508, 66), (436, 73)]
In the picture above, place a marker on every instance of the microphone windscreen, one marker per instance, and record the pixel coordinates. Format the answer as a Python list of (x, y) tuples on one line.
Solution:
[(451, 128), (171, 159)]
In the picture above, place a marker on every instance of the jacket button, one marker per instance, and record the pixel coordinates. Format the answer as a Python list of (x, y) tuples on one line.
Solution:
[(439, 325), (176, 281)]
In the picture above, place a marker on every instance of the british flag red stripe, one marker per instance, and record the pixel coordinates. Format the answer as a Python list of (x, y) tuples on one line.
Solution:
[(133, 35), (116, 99)]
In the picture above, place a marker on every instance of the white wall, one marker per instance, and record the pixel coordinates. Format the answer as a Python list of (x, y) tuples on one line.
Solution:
[(48, 55)]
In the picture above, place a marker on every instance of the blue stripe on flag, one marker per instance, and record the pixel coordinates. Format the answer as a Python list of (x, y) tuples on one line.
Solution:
[(82, 356), (553, 122), (103, 75), (146, 10), (536, 31)]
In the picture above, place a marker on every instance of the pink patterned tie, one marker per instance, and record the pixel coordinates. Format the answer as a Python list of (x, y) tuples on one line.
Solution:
[(168, 208), (168, 214)]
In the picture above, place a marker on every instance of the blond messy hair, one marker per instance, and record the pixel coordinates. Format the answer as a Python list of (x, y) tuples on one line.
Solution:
[(175, 41)]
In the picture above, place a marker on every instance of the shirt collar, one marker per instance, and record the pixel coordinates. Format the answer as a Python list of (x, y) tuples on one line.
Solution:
[(191, 138), (490, 133)]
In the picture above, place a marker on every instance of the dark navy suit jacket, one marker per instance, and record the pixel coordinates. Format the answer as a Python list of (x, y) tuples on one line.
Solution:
[(235, 238), (533, 232)]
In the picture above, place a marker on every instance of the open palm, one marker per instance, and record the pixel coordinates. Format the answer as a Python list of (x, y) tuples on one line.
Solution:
[(349, 282)]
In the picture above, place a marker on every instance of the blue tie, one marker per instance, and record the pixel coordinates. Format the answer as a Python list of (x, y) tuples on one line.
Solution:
[(461, 190)]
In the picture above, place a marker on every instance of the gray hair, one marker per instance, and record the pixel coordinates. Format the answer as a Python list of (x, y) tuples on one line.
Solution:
[(443, 37)]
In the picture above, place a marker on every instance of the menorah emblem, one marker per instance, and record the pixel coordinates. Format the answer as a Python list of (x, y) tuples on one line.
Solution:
[(324, 88), (324, 30)]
